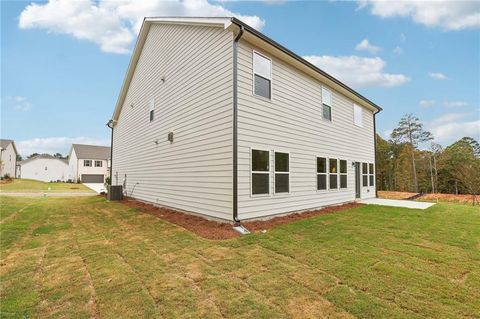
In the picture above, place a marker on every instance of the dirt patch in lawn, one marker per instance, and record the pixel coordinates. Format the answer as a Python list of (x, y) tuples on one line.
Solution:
[(395, 195), (215, 230), (464, 199)]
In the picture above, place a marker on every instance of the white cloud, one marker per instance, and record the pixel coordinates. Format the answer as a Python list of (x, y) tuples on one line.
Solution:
[(21, 103), (113, 25), (365, 45), (18, 103), (52, 145), (453, 104), (358, 71), (398, 50), (450, 127), (387, 133), (448, 15), (437, 75), (427, 103)]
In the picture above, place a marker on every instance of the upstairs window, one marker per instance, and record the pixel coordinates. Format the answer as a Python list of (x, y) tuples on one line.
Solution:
[(371, 174), (87, 163), (333, 173), (98, 163), (262, 72), (343, 174), (321, 173), (282, 172), (364, 174), (327, 104), (357, 115), (152, 109), (260, 172)]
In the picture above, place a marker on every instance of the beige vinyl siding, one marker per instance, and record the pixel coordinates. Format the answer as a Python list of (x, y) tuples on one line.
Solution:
[(292, 122), (194, 173)]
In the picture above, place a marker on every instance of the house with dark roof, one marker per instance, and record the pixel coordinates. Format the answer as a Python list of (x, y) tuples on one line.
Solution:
[(8, 158), (43, 167), (216, 118), (88, 163)]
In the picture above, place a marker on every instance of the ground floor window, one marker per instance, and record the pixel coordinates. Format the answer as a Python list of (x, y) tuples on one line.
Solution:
[(321, 173), (343, 174), (333, 173), (364, 174), (260, 172), (282, 172), (371, 174)]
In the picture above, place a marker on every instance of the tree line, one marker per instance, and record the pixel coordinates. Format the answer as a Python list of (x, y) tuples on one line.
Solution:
[(403, 166)]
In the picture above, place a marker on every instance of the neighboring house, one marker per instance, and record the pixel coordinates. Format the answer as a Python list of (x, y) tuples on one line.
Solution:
[(44, 167), (8, 158), (215, 118), (89, 163)]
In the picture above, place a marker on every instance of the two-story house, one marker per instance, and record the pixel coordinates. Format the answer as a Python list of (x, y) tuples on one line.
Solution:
[(89, 163), (8, 158), (217, 119)]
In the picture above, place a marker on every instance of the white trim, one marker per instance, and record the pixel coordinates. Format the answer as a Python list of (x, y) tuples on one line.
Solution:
[(254, 73), (330, 104), (260, 172), (285, 173)]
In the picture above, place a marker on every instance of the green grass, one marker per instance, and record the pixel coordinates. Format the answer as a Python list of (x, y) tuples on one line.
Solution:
[(86, 257), (32, 186)]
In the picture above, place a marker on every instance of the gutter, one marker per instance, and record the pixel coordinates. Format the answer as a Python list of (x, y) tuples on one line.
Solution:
[(235, 125), (110, 124)]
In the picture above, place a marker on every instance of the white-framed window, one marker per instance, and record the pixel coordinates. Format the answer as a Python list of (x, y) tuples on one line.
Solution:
[(87, 163), (371, 175), (321, 173), (282, 173), (326, 104), (260, 172), (333, 173), (343, 174), (357, 115), (151, 107), (98, 163), (262, 75), (365, 174)]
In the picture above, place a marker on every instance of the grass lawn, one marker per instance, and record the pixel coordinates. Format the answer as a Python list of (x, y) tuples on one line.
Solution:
[(86, 257), (32, 186)]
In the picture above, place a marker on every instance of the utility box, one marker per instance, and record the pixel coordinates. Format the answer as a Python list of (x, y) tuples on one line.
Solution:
[(115, 192)]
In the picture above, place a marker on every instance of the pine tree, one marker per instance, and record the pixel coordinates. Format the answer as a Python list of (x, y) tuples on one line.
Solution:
[(410, 130)]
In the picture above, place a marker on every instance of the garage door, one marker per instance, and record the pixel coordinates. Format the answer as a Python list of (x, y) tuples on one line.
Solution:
[(92, 178)]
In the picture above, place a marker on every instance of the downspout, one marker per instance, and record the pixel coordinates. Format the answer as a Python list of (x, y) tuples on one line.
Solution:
[(235, 126), (110, 125), (375, 151)]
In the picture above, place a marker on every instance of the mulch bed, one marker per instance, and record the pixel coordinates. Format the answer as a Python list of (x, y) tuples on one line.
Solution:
[(215, 230)]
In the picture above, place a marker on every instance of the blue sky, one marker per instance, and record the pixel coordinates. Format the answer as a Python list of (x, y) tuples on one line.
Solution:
[(63, 62)]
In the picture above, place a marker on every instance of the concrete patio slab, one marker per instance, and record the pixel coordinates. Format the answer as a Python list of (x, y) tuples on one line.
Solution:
[(397, 203)]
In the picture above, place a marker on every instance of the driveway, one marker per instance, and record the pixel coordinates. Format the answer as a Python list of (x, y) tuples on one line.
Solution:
[(97, 187), (397, 203)]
